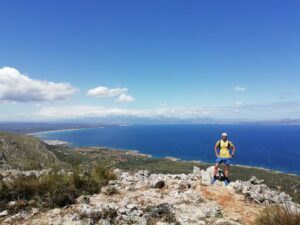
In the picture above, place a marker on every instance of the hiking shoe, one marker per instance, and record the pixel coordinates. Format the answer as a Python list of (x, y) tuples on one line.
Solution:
[(213, 180), (226, 182)]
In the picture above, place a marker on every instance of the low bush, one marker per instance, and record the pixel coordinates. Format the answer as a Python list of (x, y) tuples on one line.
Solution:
[(159, 165), (56, 189), (111, 190), (161, 213)]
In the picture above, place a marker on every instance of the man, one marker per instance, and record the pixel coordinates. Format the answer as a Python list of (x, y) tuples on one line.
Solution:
[(223, 156)]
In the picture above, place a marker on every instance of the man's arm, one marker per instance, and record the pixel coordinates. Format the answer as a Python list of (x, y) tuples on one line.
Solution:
[(233, 150), (216, 149)]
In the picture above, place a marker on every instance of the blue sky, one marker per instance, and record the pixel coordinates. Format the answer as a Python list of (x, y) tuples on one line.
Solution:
[(221, 59)]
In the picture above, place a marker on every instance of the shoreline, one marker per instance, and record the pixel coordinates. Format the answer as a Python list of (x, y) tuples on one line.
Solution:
[(171, 158), (61, 130), (265, 169)]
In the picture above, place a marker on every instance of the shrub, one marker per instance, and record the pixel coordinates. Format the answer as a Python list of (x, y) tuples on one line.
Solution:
[(276, 215), (111, 190), (109, 214), (55, 189), (161, 212)]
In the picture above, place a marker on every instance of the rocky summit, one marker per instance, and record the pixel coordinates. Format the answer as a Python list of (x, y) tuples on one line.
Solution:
[(146, 199)]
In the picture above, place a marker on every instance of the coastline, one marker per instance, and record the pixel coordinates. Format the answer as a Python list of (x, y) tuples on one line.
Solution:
[(167, 157), (265, 169), (61, 130), (170, 158)]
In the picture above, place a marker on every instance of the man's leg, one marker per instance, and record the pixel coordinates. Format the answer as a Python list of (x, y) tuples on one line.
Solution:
[(216, 169), (215, 173), (226, 173)]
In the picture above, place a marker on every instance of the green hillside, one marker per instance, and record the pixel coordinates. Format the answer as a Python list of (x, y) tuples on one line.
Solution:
[(25, 152)]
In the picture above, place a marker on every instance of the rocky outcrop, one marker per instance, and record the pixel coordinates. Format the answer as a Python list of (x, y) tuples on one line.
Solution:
[(255, 190), (163, 199)]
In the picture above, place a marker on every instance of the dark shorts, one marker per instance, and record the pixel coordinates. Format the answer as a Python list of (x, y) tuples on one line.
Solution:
[(226, 161)]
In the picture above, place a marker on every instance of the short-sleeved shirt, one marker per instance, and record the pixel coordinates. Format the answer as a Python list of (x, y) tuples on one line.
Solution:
[(224, 148)]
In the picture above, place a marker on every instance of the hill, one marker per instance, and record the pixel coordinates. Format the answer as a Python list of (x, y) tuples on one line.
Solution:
[(25, 153)]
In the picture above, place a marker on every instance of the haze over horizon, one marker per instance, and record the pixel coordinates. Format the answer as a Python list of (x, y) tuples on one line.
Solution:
[(232, 60)]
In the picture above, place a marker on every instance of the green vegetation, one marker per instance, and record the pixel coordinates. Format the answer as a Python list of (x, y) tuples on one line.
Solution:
[(160, 212), (157, 165), (111, 190), (278, 181), (68, 156), (56, 189), (276, 215), (107, 214), (25, 153)]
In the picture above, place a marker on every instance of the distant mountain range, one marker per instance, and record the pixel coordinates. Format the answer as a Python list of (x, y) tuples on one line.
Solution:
[(34, 126), (141, 120), (279, 122), (115, 120)]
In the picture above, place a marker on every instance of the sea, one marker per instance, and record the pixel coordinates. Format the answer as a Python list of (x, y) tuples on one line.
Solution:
[(275, 147)]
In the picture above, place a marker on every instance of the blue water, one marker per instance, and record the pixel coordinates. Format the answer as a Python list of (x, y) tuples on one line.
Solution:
[(273, 147)]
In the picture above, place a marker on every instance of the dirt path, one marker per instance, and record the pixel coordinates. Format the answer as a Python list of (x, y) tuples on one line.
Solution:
[(233, 205)]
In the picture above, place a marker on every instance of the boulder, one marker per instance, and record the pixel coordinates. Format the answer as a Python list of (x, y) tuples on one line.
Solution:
[(196, 170), (132, 207), (254, 180), (117, 172), (11, 203), (3, 213), (157, 184), (259, 198), (207, 175), (144, 173)]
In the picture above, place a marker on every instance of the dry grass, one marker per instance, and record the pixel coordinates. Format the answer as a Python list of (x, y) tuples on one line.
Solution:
[(275, 215)]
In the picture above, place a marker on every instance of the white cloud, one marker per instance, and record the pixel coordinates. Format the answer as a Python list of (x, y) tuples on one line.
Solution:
[(111, 92), (16, 87), (240, 89), (78, 111), (81, 111), (106, 92), (125, 98)]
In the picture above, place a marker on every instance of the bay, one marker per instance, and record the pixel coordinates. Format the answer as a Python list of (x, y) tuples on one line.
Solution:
[(273, 147)]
